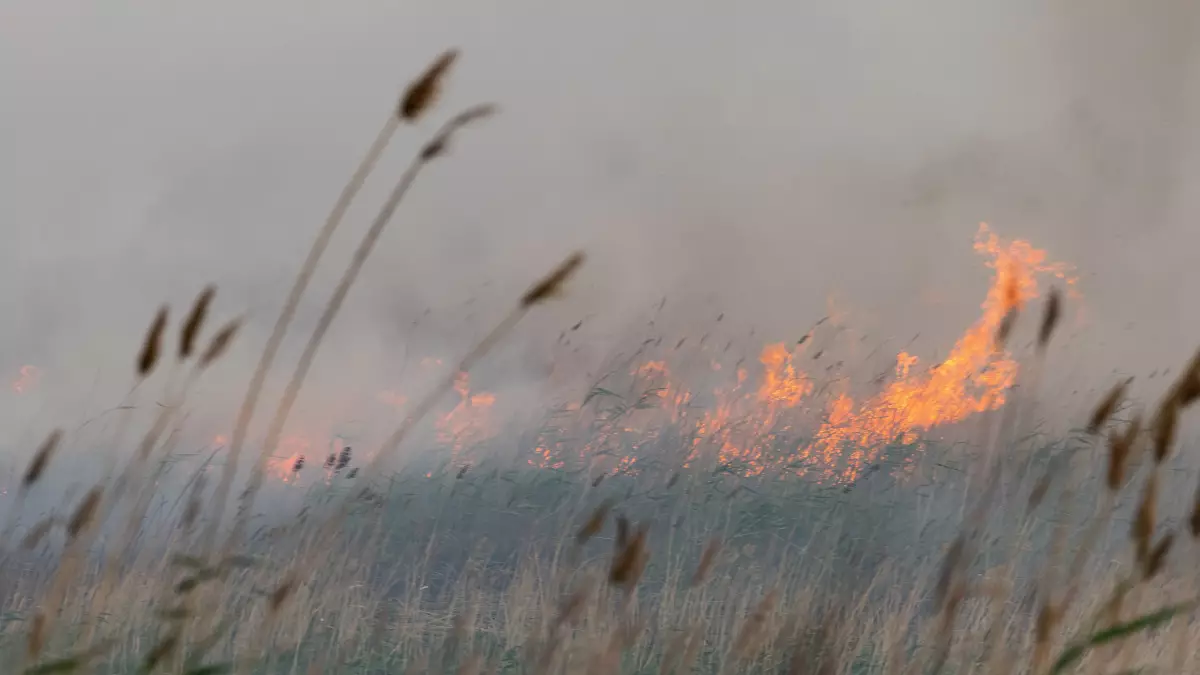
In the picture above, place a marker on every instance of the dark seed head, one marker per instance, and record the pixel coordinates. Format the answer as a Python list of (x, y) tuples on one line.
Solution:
[(152, 344), (1049, 317), (194, 322), (41, 458), (423, 92)]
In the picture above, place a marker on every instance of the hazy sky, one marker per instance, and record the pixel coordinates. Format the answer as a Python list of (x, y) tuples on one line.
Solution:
[(748, 157)]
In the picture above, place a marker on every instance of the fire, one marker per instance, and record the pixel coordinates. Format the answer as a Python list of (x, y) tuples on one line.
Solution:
[(283, 464), (781, 386), (470, 421), (656, 377), (755, 424), (974, 378), (26, 379), (392, 399), (743, 425), (767, 416)]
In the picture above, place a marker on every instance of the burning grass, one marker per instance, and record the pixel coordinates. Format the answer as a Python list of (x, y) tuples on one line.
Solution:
[(779, 521)]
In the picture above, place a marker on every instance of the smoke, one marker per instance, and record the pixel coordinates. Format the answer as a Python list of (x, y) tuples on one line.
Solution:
[(752, 159)]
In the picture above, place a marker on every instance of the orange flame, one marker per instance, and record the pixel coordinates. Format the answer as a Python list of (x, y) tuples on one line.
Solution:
[(470, 421), (750, 428), (282, 465), (781, 385), (974, 378), (26, 380)]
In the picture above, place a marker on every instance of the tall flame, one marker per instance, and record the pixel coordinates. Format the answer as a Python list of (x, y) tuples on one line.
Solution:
[(470, 421), (974, 378)]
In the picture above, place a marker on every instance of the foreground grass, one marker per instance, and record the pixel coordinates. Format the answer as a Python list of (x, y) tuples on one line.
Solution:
[(441, 570)]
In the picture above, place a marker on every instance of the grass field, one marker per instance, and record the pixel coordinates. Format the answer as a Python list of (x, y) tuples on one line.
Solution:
[(783, 524)]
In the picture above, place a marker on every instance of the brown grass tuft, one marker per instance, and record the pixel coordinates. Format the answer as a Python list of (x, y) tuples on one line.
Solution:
[(37, 533), (41, 458), (424, 91), (220, 342), (194, 322), (281, 594), (152, 344), (1166, 420), (1005, 328), (1047, 622), (1145, 519), (951, 566), (1050, 316), (594, 523), (1187, 390), (622, 533), (1107, 406), (552, 284), (1158, 556), (1194, 521), (1120, 446), (85, 512), (630, 561)]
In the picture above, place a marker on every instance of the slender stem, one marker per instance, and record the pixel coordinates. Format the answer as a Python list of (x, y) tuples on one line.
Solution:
[(254, 390)]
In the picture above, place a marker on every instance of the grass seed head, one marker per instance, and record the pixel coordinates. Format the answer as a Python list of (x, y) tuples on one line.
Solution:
[(630, 561), (37, 533), (220, 342), (152, 344), (1107, 406), (85, 512), (1120, 446), (194, 322), (41, 458), (1047, 620), (594, 523), (1194, 522), (191, 512), (1158, 555), (423, 92), (552, 284), (1145, 519), (437, 146), (1050, 316), (1005, 328), (1187, 389), (951, 565), (1166, 421), (622, 532), (281, 594)]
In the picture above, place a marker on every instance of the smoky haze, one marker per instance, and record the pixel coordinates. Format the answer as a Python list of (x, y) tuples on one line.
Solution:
[(762, 159)]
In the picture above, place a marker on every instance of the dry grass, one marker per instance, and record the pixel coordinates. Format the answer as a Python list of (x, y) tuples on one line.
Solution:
[(682, 570)]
